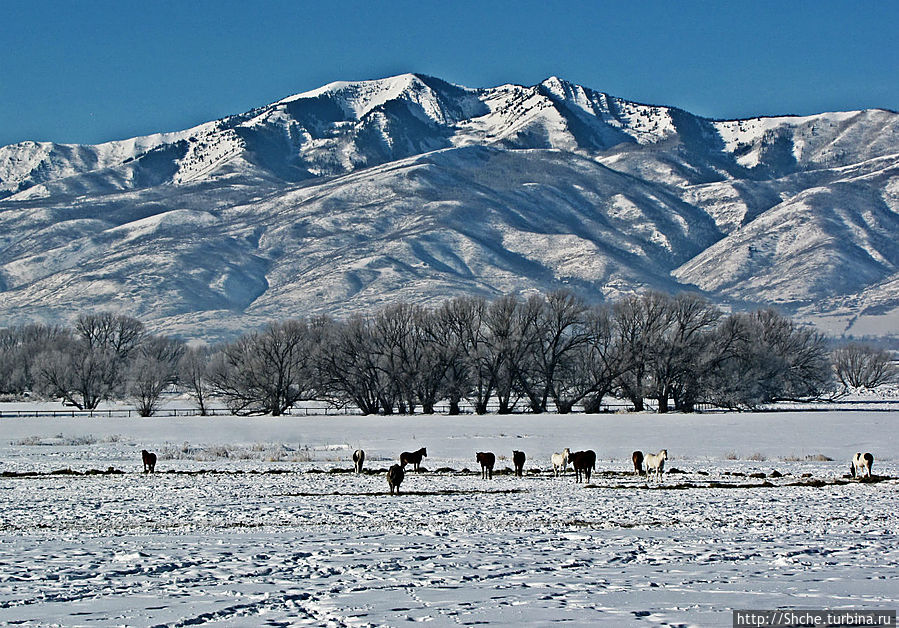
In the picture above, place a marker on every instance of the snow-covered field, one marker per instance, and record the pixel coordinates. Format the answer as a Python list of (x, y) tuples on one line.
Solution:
[(257, 521)]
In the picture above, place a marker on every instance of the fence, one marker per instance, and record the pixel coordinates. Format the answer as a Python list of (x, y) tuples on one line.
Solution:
[(328, 410)]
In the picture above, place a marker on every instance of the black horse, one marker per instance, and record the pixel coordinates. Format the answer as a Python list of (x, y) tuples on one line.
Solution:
[(487, 460), (413, 457), (518, 459), (149, 459), (583, 462)]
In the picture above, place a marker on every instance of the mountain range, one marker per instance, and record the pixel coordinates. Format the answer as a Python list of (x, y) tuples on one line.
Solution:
[(358, 194)]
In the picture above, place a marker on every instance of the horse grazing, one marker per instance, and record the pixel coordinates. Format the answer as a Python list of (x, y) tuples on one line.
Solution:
[(560, 461), (413, 457), (358, 459), (518, 459), (861, 465), (655, 463), (149, 459), (583, 462), (395, 475), (487, 460), (637, 457)]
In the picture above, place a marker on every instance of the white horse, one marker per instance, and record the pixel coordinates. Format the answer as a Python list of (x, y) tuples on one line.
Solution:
[(560, 461), (655, 464), (861, 465)]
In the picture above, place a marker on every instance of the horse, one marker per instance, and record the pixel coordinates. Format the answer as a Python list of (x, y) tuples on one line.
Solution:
[(560, 461), (149, 459), (861, 465), (395, 475), (637, 457), (413, 457), (358, 459), (583, 462), (655, 463), (518, 459), (487, 460)]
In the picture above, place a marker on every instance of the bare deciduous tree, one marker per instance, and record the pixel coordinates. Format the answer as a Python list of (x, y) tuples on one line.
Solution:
[(767, 358), (192, 373), (639, 323), (267, 371), (83, 376), (676, 356), (858, 365), (153, 368)]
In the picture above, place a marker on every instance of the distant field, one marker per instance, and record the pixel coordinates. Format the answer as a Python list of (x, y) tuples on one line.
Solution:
[(261, 522)]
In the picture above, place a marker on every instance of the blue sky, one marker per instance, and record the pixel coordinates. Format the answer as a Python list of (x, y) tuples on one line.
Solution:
[(100, 70)]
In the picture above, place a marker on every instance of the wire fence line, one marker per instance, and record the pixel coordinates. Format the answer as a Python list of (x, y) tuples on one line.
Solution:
[(328, 410)]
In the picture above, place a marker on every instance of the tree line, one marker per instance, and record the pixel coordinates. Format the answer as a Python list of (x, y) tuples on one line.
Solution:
[(540, 353)]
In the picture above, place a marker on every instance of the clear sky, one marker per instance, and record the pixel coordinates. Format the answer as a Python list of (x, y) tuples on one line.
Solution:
[(99, 70)]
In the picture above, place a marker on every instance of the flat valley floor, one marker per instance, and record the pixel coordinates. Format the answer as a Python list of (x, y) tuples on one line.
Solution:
[(259, 522)]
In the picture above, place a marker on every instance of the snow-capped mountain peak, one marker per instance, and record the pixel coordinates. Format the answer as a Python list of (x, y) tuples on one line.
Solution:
[(360, 192)]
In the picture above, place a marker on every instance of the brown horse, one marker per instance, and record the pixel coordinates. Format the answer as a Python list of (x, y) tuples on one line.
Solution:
[(149, 459), (583, 462), (395, 475), (518, 459), (637, 457), (358, 459), (413, 457), (487, 460)]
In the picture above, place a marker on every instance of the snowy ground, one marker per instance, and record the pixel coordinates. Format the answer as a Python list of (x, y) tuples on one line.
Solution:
[(257, 521)]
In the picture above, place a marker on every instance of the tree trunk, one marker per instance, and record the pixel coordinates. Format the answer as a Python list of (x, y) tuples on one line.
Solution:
[(663, 403), (593, 404)]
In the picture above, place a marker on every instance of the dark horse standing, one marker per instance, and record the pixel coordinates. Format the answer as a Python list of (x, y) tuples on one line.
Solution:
[(149, 459), (518, 460), (395, 475), (637, 457), (413, 457), (583, 462), (487, 460), (358, 459)]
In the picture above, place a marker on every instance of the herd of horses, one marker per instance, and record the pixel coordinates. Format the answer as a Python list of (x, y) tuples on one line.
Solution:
[(583, 463)]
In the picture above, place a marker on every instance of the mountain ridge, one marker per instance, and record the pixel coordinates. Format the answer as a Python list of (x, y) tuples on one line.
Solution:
[(640, 196)]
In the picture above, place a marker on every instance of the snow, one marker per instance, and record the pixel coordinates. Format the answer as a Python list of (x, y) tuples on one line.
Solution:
[(262, 537), (358, 193), (737, 132), (178, 218)]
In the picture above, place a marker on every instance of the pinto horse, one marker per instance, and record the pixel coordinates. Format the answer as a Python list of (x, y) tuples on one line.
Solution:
[(518, 459), (358, 459), (395, 475), (583, 462), (487, 460), (149, 459), (413, 458), (861, 465), (655, 464), (637, 457), (560, 461)]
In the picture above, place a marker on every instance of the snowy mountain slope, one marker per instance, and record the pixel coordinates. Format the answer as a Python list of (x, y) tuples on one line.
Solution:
[(459, 221), (825, 241), (360, 193)]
